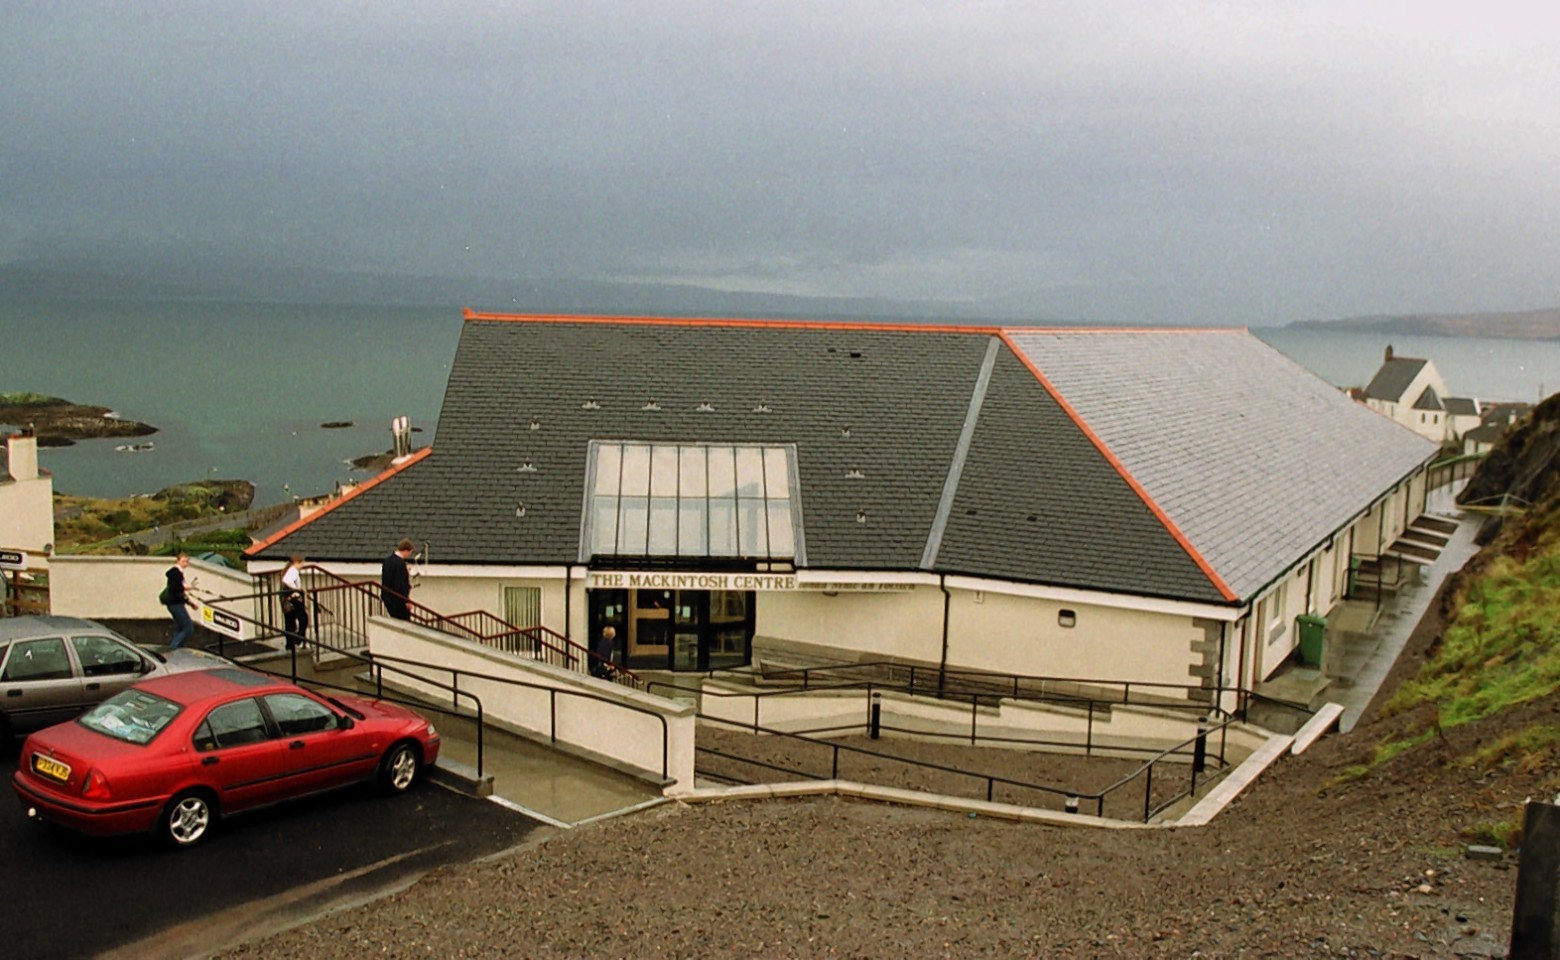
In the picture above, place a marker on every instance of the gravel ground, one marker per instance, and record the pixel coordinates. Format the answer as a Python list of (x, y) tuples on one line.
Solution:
[(1297, 867)]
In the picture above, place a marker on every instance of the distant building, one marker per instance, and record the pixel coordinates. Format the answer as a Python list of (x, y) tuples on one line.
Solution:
[(1412, 392), (1112, 504), (1497, 419), (26, 515)]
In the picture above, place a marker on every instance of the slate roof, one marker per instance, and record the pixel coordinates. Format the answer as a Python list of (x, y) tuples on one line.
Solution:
[(1393, 378), (1428, 400), (1185, 465), (1461, 406), (1250, 456)]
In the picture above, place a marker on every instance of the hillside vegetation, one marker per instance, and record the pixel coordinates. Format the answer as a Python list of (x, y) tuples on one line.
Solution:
[(1500, 646)]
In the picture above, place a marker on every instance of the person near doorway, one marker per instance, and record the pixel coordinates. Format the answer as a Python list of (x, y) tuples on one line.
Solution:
[(295, 605), (395, 581), (606, 647), (175, 597)]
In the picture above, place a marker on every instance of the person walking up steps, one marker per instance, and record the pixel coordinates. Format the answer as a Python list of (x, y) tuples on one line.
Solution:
[(395, 581), (175, 598)]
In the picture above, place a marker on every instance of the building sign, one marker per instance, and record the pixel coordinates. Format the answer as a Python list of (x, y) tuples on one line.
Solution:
[(13, 559), (827, 587), (220, 621), (662, 580)]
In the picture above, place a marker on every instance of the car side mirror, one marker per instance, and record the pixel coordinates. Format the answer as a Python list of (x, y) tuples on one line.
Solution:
[(347, 723)]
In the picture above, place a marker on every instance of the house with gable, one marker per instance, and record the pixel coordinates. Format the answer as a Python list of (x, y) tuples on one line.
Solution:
[(1412, 392), (1011, 499)]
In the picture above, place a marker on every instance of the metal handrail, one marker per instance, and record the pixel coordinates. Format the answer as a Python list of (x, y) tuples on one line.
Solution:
[(1017, 686), (457, 674), (1071, 797), (361, 598)]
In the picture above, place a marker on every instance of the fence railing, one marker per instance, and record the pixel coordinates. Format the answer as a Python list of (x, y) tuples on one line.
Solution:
[(1189, 758), (457, 675), (339, 610)]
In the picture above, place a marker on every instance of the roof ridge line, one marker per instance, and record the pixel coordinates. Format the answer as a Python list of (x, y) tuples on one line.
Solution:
[(961, 453), (363, 487), (792, 324), (1121, 469)]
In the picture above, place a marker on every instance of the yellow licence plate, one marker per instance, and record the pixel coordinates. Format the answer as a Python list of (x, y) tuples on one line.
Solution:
[(52, 769)]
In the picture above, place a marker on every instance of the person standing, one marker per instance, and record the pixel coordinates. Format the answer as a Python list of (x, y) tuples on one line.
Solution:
[(175, 598), (295, 605), (395, 581), (606, 648)]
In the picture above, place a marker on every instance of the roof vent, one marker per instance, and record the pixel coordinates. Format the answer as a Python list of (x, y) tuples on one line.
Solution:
[(854, 473), (527, 466), (845, 433), (536, 423), (651, 404), (855, 354), (519, 508), (705, 407), (763, 407), (861, 516), (590, 404)]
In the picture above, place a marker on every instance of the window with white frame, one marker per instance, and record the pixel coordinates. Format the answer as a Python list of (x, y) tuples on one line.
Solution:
[(523, 606)]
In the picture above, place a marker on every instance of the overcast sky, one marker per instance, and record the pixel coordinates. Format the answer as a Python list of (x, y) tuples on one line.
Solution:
[(1187, 162)]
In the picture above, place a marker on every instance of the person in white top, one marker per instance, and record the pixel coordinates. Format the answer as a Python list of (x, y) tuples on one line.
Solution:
[(295, 605)]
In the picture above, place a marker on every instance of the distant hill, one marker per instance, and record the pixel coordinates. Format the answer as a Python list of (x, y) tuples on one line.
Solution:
[(132, 277), (1519, 325)]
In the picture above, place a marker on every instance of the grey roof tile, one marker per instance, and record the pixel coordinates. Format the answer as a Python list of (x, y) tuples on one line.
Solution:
[(1393, 378), (1254, 459)]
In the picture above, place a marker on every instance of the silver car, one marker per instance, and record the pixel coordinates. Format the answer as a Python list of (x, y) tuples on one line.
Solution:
[(53, 668)]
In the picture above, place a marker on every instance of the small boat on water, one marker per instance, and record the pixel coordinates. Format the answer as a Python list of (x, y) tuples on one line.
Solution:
[(136, 447)]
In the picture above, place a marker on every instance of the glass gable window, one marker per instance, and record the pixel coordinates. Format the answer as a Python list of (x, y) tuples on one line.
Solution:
[(692, 500)]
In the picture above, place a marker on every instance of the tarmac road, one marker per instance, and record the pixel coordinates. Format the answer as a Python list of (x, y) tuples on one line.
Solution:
[(66, 896)]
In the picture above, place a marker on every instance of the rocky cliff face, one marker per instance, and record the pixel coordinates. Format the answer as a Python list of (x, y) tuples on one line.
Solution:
[(1524, 471), (60, 423)]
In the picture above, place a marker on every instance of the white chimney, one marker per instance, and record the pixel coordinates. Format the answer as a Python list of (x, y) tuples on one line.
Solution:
[(22, 451), (401, 434)]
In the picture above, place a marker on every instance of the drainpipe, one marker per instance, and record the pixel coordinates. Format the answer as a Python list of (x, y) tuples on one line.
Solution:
[(568, 600), (942, 667), (1240, 669)]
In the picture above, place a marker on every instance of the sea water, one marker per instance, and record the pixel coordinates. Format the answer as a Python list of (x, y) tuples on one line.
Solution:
[(236, 390), (241, 390)]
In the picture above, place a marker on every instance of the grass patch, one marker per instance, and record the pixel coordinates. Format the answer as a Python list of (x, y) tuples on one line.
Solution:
[(1500, 649)]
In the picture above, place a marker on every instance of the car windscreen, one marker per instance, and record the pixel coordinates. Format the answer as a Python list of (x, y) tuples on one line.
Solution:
[(133, 716)]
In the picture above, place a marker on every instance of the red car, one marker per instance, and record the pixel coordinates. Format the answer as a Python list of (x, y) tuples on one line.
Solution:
[(174, 754)]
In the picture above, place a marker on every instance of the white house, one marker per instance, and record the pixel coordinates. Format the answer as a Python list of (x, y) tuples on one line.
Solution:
[(1412, 392), (1020, 500), (26, 513)]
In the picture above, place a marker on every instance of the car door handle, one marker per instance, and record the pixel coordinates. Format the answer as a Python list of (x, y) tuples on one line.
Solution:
[(296, 745), (94, 686), (210, 761), (13, 693)]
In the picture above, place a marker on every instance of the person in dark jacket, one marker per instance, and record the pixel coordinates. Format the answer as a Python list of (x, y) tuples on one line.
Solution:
[(175, 599), (395, 581)]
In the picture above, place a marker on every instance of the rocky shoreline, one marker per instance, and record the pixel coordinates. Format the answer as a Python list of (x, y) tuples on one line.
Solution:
[(60, 423)]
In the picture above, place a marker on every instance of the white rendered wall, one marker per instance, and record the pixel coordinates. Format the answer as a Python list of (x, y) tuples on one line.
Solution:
[(906, 623), (126, 588), (1023, 635)]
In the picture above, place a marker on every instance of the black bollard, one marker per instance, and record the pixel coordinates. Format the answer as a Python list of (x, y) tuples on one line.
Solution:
[(1200, 747), (1535, 922), (876, 723)]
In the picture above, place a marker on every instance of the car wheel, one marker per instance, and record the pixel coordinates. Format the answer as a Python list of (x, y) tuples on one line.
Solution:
[(398, 771), (186, 820)]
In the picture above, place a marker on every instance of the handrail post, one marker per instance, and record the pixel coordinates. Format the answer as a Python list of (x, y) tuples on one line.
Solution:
[(875, 716), (974, 719), (481, 727), (1148, 790)]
